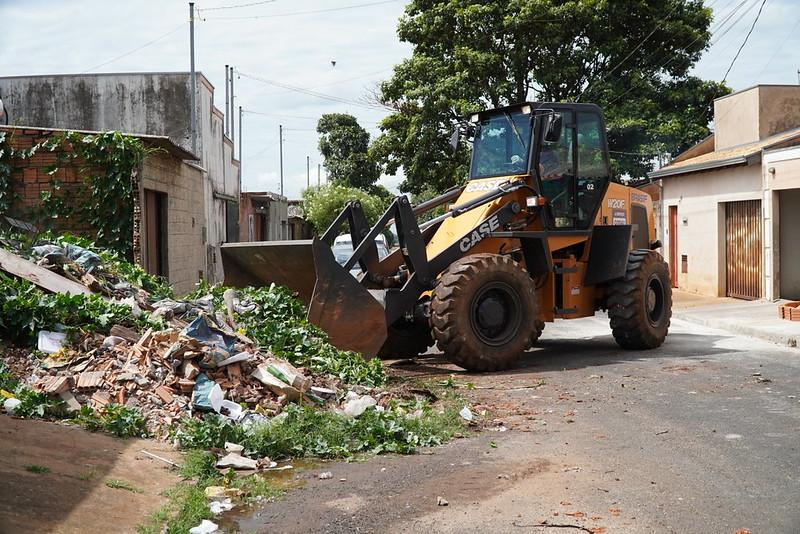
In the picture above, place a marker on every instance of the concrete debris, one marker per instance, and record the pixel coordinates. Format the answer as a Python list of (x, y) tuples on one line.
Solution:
[(233, 447), (327, 475), (441, 501), (237, 461)]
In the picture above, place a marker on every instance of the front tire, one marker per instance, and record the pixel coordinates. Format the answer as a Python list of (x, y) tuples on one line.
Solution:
[(482, 309), (640, 304)]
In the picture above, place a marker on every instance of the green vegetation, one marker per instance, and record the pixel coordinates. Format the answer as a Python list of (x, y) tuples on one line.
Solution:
[(25, 309), (306, 432), (38, 469), (187, 503), (115, 419), (123, 484), (345, 146), (36, 405), (8, 381), (322, 204)]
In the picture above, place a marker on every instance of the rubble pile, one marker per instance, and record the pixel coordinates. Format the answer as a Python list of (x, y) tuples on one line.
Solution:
[(171, 374)]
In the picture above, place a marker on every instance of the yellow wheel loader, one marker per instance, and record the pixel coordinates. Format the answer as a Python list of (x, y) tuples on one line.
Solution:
[(538, 233)]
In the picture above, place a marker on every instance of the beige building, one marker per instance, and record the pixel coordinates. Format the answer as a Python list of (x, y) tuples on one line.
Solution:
[(731, 204)]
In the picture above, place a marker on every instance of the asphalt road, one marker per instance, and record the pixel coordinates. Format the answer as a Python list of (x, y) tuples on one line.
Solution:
[(699, 436)]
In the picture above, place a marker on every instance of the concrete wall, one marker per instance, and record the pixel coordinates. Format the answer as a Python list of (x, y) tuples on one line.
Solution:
[(183, 184), (736, 119), (700, 199), (755, 113), (146, 103), (781, 182)]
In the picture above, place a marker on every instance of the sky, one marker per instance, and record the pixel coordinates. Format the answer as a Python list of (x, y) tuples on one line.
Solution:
[(295, 43)]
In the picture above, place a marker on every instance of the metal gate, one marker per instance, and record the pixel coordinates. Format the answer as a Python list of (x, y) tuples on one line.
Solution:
[(743, 249)]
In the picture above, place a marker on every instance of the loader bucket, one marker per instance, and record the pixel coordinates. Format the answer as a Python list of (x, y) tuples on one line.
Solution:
[(261, 263), (350, 314)]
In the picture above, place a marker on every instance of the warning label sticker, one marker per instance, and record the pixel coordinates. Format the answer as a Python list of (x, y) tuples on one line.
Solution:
[(619, 217)]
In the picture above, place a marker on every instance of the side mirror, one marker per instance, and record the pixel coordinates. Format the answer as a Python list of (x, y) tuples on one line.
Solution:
[(552, 127), (454, 139)]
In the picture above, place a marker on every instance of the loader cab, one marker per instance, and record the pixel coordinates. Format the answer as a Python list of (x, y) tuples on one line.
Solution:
[(562, 148)]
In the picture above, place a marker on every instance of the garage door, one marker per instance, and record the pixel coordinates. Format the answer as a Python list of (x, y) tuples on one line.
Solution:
[(743, 249)]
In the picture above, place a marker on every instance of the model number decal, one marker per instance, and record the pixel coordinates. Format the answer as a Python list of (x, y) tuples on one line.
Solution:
[(640, 198), (616, 203), (479, 233)]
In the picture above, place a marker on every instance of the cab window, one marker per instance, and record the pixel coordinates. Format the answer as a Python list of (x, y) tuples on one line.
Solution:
[(593, 171), (557, 174)]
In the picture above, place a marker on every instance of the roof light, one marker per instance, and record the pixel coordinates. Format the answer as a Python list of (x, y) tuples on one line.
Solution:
[(526, 110)]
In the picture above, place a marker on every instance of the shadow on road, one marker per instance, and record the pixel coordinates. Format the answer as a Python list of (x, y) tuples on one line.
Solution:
[(569, 354)]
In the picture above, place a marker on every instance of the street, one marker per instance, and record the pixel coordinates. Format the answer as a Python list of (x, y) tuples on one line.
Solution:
[(699, 435)]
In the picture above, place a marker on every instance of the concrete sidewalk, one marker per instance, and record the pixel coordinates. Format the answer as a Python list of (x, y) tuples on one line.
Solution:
[(756, 318)]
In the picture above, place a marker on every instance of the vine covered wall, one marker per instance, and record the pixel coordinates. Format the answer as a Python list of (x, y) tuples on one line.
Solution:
[(84, 183)]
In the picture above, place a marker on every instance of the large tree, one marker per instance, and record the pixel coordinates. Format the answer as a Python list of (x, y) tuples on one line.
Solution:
[(345, 146), (630, 57)]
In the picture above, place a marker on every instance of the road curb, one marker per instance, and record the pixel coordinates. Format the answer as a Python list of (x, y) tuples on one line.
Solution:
[(735, 328)]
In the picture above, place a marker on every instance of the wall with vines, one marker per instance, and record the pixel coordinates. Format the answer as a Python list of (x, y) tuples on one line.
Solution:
[(106, 165)]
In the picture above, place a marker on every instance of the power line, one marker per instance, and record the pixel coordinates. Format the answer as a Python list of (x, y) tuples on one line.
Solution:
[(337, 82), (237, 6), (308, 12), (316, 94), (157, 39), (758, 15)]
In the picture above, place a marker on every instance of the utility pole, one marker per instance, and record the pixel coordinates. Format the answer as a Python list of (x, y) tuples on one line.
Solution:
[(193, 115), (233, 99), (319, 170), (240, 136), (280, 144), (227, 105), (308, 171)]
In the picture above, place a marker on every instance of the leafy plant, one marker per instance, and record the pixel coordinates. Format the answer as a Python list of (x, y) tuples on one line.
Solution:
[(123, 484), (115, 419), (322, 204), (8, 381), (38, 469), (34, 404)]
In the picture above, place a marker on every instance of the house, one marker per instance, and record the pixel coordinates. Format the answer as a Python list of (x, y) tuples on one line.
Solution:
[(263, 217), (731, 203), (167, 209), (154, 104), (299, 227)]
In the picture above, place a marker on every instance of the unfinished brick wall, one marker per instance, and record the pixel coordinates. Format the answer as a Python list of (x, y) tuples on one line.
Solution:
[(30, 178)]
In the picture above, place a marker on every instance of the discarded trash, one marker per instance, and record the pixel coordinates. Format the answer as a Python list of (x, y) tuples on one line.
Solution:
[(50, 342), (217, 507), (202, 390), (357, 405), (441, 501), (325, 476), (466, 414), (323, 393), (233, 447), (9, 405), (205, 527), (288, 373), (274, 383), (222, 406), (237, 461)]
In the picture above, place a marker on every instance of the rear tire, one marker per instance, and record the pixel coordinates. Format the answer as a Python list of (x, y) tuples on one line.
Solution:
[(482, 309), (640, 304)]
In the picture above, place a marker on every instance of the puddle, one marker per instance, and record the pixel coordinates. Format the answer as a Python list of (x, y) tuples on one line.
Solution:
[(247, 517)]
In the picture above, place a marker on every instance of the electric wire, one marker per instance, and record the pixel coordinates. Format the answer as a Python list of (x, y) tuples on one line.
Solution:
[(236, 6), (308, 12), (746, 38), (154, 41)]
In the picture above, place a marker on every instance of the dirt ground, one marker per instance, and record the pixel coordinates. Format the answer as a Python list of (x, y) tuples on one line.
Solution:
[(72, 497)]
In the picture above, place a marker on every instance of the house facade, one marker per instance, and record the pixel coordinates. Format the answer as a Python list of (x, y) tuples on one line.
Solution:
[(731, 204), (167, 206), (156, 104), (263, 217)]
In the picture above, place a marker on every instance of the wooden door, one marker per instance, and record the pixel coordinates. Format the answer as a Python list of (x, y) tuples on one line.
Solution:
[(673, 245), (743, 250), (155, 232)]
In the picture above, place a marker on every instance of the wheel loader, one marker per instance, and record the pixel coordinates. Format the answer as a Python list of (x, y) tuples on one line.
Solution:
[(539, 232)]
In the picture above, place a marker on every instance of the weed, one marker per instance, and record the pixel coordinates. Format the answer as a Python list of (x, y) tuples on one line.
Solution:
[(115, 419), (122, 484), (34, 404), (8, 381), (88, 475), (39, 469)]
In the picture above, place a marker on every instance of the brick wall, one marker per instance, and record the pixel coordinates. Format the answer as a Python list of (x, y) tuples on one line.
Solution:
[(30, 178)]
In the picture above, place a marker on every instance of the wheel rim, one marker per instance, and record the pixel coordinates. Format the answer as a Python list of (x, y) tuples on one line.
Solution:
[(496, 314), (654, 300)]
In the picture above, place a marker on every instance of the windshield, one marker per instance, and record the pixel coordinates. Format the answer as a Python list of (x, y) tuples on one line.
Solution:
[(502, 145)]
